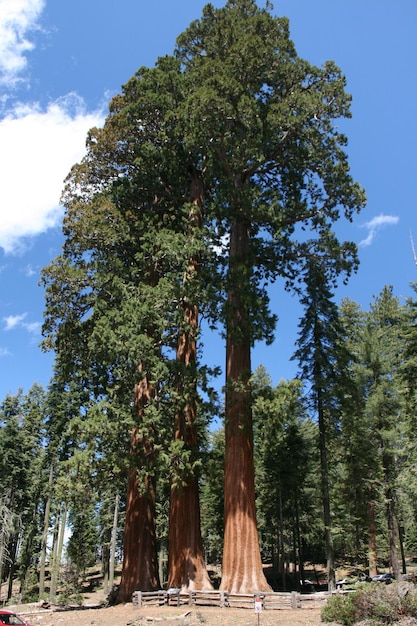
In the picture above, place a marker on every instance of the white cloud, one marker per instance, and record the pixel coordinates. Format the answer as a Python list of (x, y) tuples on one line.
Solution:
[(12, 321), (33, 328), (29, 271), (5, 352), (375, 224), (38, 148), (18, 18)]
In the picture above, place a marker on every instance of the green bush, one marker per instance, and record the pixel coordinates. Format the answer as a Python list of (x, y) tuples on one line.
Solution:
[(382, 604), (341, 609)]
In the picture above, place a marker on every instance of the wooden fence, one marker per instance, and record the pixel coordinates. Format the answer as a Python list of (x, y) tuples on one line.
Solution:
[(224, 599)]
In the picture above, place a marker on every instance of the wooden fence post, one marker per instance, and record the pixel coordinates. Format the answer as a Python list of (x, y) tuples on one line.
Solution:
[(294, 600)]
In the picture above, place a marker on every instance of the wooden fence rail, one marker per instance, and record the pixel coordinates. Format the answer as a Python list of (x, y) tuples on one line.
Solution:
[(224, 599)]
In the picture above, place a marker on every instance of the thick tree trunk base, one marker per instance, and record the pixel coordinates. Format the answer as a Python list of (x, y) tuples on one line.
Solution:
[(140, 567), (187, 568), (242, 565)]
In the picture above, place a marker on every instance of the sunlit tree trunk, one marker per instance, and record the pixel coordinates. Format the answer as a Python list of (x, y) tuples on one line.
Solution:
[(6, 526), (186, 565), (113, 542), (46, 516), (242, 565), (140, 566), (57, 552)]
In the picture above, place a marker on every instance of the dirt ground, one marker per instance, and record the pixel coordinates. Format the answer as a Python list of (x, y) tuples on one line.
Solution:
[(128, 615), (95, 612)]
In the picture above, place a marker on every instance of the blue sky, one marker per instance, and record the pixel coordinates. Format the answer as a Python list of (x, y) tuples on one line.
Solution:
[(62, 60)]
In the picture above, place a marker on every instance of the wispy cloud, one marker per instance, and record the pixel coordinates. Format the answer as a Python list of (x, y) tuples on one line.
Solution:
[(33, 328), (375, 225), (29, 271), (11, 321), (38, 149), (18, 19), (5, 352)]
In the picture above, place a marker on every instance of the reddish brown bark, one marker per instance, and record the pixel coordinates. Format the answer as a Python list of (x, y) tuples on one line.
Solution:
[(242, 564), (187, 569), (186, 566), (140, 566)]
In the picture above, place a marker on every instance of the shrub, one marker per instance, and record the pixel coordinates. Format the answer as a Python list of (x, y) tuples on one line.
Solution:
[(383, 604), (341, 609)]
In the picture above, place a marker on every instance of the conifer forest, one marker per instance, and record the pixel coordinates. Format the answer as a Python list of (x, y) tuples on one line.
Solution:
[(219, 172)]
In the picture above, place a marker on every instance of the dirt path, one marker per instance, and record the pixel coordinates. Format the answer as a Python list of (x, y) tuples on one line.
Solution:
[(127, 615)]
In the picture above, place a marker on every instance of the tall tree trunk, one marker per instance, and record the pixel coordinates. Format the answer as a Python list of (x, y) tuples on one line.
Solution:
[(60, 546), (299, 543), (401, 541), (281, 541), (163, 559), (324, 467), (372, 550), (140, 567), (392, 534), (388, 464), (105, 558), (44, 540), (6, 525), (13, 551), (54, 558), (186, 565), (242, 565), (140, 571), (113, 542)]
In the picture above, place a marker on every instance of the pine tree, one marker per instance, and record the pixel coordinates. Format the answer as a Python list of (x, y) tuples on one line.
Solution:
[(373, 426), (408, 375), (22, 419), (383, 404), (323, 360), (358, 491)]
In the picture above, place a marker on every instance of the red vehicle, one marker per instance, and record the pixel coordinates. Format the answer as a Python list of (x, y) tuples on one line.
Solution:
[(8, 617)]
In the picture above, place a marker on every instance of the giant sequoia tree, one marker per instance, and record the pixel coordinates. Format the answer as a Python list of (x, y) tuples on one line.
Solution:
[(119, 308), (261, 120), (237, 119)]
